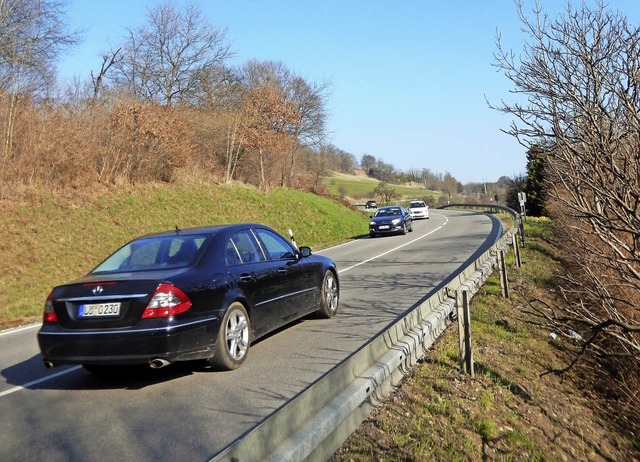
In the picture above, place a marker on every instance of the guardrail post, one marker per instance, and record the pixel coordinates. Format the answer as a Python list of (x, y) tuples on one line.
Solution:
[(464, 333), (516, 251), (502, 268), (521, 226)]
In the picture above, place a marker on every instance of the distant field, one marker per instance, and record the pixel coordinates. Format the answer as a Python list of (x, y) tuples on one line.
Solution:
[(355, 187), (360, 188)]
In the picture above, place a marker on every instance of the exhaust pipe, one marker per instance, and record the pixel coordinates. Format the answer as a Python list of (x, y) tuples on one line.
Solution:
[(158, 363), (49, 364)]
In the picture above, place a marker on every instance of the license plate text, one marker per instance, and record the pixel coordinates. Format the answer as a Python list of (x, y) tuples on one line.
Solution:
[(95, 310)]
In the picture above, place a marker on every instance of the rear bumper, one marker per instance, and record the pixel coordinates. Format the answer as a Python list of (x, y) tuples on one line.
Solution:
[(193, 339)]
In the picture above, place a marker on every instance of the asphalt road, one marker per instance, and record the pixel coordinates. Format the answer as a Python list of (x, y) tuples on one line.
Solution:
[(188, 412)]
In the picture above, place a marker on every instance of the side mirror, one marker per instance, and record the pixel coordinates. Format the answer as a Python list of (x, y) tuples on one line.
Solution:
[(305, 251)]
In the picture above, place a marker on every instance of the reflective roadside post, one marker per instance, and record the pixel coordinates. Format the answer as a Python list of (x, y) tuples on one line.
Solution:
[(522, 198)]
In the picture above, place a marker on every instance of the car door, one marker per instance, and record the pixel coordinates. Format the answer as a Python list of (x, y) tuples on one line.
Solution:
[(299, 286), (257, 279)]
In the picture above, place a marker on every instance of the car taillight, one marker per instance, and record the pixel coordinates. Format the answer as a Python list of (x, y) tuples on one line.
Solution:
[(49, 314), (166, 301)]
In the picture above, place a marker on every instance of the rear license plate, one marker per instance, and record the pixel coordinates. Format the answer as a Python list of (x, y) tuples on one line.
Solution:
[(96, 310), (383, 227)]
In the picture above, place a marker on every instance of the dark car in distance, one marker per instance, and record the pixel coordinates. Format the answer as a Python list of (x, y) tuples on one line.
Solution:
[(371, 205), (192, 294), (390, 220)]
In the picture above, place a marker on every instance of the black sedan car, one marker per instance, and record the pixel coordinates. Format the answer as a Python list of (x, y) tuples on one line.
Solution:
[(201, 293), (390, 220)]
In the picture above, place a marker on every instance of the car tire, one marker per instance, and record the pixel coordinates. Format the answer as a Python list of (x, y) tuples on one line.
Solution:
[(411, 227), (232, 343), (329, 296), (372, 235), (404, 229)]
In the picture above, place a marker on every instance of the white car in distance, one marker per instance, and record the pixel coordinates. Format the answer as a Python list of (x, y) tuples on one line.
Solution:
[(419, 210)]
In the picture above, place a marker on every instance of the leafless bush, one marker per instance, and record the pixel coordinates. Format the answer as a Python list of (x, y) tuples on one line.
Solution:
[(579, 76), (133, 123)]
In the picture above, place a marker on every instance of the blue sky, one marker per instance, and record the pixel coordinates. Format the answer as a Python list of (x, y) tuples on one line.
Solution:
[(408, 78)]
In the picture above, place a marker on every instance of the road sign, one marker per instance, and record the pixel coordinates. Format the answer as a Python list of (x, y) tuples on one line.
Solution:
[(522, 198)]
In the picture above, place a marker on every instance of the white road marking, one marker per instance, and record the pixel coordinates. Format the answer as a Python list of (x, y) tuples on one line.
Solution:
[(35, 382), (395, 248), (18, 329)]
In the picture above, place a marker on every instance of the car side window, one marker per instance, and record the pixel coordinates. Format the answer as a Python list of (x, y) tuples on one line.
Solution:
[(231, 254), (275, 246), (243, 248)]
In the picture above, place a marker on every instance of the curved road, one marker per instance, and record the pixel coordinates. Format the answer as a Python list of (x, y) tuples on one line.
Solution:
[(188, 412)]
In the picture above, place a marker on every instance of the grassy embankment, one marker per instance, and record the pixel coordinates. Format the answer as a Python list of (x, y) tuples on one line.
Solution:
[(511, 410), (56, 238)]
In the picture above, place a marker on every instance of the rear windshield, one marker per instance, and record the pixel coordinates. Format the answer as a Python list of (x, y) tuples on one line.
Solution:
[(154, 253)]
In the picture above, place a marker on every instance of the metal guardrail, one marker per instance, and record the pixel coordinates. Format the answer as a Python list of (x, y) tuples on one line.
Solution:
[(313, 425)]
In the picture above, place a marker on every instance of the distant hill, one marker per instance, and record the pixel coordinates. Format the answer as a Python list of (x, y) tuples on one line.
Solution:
[(359, 187)]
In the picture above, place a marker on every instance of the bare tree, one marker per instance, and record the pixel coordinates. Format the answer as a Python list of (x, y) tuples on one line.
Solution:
[(367, 162), (385, 192), (170, 59), (320, 162), (580, 81), (304, 99), (32, 34), (108, 61), (451, 186), (234, 148), (266, 134)]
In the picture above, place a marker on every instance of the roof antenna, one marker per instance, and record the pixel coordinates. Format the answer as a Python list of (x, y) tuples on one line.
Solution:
[(177, 230), (293, 239)]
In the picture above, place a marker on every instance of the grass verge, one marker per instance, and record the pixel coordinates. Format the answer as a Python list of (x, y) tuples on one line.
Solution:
[(509, 411)]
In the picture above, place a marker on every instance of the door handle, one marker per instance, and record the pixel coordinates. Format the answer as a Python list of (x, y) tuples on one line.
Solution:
[(246, 277), (282, 271)]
